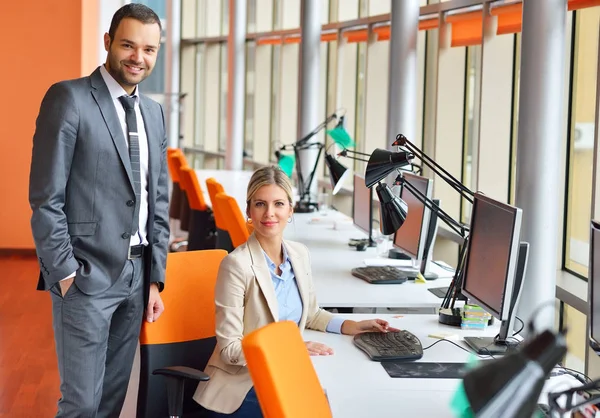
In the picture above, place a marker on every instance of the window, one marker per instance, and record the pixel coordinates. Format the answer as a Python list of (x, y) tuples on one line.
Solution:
[(581, 140)]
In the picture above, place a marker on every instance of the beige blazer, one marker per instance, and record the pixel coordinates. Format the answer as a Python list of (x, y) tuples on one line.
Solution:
[(245, 301)]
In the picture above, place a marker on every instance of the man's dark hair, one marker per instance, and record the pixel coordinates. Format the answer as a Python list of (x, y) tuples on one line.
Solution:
[(135, 11)]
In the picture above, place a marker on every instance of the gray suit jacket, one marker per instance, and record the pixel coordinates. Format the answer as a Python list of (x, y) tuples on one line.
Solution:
[(80, 183)]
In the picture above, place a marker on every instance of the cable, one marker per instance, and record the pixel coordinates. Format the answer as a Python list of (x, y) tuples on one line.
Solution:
[(575, 374), (522, 326), (462, 348)]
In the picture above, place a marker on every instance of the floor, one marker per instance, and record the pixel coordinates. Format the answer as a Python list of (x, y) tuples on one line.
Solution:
[(28, 371), (29, 381)]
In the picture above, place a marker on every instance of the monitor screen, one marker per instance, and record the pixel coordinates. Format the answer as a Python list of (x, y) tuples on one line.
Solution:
[(594, 282), (411, 237), (489, 271), (363, 204)]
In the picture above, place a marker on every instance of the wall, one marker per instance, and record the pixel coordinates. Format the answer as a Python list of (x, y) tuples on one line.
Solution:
[(43, 44)]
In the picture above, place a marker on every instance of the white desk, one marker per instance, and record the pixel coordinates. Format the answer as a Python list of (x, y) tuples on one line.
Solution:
[(332, 259), (358, 387)]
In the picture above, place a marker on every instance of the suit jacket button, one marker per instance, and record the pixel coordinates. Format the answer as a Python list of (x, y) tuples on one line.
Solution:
[(125, 235), (234, 361), (130, 203)]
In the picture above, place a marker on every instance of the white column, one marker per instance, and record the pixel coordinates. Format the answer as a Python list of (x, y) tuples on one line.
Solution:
[(236, 84), (308, 85), (539, 150), (402, 93)]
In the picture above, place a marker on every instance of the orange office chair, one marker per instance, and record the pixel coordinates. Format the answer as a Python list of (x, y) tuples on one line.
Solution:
[(173, 163), (184, 205), (234, 220), (202, 229), (279, 365), (223, 238), (183, 337)]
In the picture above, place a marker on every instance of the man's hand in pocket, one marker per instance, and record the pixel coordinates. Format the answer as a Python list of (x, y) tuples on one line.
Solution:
[(65, 285)]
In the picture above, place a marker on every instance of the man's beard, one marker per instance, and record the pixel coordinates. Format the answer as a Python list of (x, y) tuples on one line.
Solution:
[(119, 73)]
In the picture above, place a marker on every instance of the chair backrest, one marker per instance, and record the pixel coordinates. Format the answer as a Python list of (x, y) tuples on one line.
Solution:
[(184, 335), (214, 187), (284, 378), (173, 163), (191, 185), (235, 223)]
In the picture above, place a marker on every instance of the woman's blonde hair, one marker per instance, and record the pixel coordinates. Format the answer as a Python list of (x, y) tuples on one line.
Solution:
[(266, 176)]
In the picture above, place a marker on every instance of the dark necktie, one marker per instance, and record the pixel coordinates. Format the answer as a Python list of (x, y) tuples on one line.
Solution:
[(128, 103)]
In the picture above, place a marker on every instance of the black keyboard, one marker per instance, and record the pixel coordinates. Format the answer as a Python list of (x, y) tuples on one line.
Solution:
[(380, 275), (390, 346)]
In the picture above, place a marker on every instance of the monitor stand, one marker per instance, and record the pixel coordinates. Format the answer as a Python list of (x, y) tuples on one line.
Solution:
[(490, 345), (396, 254), (440, 292), (503, 343)]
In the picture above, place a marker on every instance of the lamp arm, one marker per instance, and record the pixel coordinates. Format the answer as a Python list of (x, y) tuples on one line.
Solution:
[(402, 141), (456, 283), (345, 151), (315, 131), (459, 228), (305, 187), (456, 226)]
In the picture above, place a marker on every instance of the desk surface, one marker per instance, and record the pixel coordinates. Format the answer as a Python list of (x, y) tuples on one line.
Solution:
[(332, 259), (358, 387)]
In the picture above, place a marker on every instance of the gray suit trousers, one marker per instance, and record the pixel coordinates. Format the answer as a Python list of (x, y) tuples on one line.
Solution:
[(96, 338)]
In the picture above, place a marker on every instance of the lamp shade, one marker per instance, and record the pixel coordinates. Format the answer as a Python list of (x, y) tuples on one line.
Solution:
[(337, 172), (510, 386), (286, 163), (393, 210), (340, 135), (382, 162)]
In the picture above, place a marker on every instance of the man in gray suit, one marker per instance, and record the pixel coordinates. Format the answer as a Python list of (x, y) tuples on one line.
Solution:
[(98, 191)]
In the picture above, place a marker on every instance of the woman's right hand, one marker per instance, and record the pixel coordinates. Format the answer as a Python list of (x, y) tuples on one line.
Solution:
[(318, 349)]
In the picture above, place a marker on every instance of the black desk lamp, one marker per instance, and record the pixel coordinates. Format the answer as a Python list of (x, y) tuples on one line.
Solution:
[(337, 171), (509, 387), (380, 165), (393, 210)]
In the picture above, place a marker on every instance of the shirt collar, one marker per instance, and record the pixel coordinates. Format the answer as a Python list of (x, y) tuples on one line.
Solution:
[(115, 88), (271, 263)]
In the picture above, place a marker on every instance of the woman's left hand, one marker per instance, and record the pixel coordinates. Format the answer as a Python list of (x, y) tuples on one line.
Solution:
[(370, 325)]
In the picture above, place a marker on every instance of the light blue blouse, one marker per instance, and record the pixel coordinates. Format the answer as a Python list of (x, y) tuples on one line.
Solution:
[(288, 295)]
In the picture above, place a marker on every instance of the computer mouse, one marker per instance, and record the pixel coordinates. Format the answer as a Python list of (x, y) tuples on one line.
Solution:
[(361, 247)]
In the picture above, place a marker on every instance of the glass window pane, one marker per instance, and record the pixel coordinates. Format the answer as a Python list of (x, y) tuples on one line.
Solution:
[(249, 107), (361, 74), (223, 99), (473, 82), (581, 144)]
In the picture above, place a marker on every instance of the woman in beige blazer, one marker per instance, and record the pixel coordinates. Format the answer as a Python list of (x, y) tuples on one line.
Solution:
[(264, 280)]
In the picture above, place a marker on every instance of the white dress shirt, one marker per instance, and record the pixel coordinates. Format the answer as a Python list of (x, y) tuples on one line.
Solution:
[(117, 91)]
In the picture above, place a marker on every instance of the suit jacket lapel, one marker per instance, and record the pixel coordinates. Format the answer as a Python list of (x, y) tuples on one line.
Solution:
[(263, 276), (107, 108), (153, 147), (301, 275)]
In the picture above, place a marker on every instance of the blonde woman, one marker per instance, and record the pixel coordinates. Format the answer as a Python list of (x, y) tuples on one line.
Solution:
[(265, 280)]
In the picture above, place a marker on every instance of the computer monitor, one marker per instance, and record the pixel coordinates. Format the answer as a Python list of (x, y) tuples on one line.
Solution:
[(362, 208), (410, 240), (488, 277), (594, 285)]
